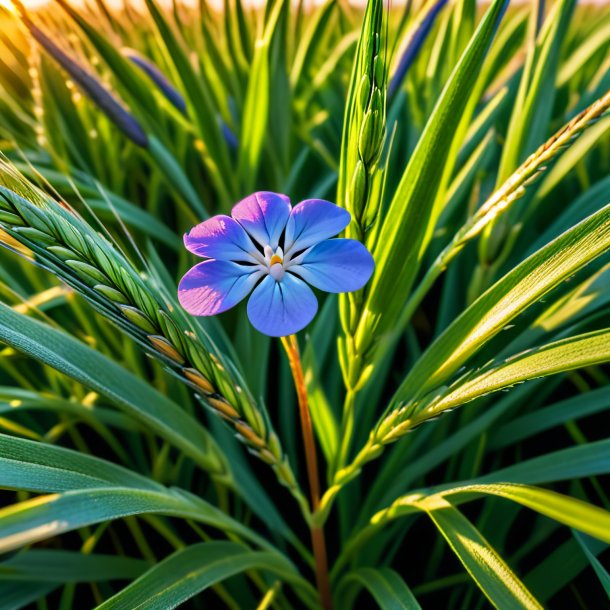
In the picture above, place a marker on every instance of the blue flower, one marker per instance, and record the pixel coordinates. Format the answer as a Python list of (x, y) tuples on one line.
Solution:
[(277, 252)]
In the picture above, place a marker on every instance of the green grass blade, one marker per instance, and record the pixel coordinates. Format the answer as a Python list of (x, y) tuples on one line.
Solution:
[(587, 460), (472, 549), (38, 467), (387, 588), (44, 566), (192, 570), (572, 512), (48, 516), (15, 595), (566, 510), (565, 355), (602, 573), (493, 576)]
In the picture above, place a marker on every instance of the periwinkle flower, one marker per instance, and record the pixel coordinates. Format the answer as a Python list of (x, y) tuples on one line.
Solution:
[(277, 252)]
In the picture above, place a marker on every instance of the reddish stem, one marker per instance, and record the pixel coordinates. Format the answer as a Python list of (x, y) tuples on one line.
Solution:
[(318, 541)]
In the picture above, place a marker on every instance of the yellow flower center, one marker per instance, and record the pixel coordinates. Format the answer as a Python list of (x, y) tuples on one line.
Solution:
[(275, 259)]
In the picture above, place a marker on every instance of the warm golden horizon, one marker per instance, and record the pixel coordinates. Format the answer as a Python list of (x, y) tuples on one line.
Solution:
[(34, 4), (28, 3)]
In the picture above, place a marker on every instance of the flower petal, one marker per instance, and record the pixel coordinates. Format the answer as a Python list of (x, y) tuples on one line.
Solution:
[(282, 308), (313, 221), (264, 216), (221, 238), (213, 286), (336, 265)]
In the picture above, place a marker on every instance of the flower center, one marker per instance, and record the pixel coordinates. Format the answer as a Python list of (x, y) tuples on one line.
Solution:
[(275, 263)]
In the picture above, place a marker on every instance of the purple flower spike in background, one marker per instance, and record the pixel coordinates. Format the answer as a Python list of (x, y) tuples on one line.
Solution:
[(277, 251)]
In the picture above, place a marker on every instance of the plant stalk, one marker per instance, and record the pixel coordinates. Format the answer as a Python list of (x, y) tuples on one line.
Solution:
[(347, 430), (318, 540)]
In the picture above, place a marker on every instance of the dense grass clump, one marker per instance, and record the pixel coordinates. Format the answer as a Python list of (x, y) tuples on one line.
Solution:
[(459, 401)]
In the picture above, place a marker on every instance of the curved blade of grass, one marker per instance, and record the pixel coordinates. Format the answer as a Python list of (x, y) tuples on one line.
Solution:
[(187, 572), (48, 516), (473, 550), (25, 400), (602, 573), (566, 313), (14, 595), (386, 586), (134, 217), (560, 356), (581, 461), (43, 566), (493, 576), (587, 460), (33, 466), (579, 57), (569, 511)]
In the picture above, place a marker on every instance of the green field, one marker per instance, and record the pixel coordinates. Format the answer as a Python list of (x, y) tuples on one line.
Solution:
[(459, 456)]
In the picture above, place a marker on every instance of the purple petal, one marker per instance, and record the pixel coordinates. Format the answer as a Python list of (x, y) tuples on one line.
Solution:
[(221, 238), (313, 221), (264, 216), (213, 286), (282, 308), (336, 265)]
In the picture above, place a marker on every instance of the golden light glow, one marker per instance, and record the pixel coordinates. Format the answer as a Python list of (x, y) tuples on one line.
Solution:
[(32, 4), (118, 4)]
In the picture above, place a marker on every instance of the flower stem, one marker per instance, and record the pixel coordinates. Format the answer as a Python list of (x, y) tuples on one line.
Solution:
[(318, 540)]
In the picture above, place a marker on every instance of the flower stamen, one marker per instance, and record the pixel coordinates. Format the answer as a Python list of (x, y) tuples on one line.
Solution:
[(277, 272)]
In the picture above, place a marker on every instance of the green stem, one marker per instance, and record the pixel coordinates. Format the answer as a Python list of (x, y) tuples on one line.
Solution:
[(347, 430)]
